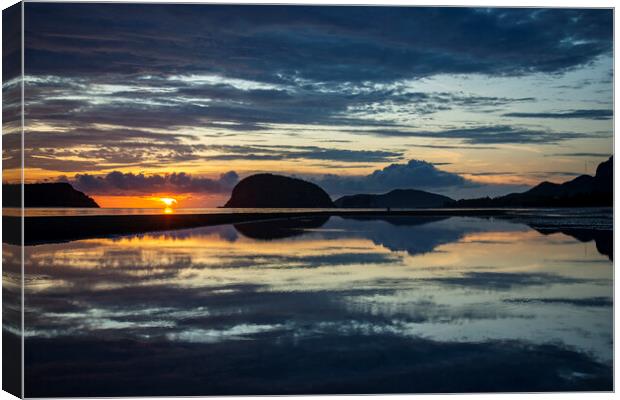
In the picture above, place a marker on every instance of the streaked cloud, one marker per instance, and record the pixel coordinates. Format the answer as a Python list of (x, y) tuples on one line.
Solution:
[(261, 152), (581, 114), (580, 154), (492, 134)]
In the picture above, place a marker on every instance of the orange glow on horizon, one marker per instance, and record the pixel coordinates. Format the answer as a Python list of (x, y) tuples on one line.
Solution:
[(135, 201), (191, 200)]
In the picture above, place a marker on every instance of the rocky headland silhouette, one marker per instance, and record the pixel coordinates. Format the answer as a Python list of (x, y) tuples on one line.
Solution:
[(277, 191), (583, 191), (58, 194)]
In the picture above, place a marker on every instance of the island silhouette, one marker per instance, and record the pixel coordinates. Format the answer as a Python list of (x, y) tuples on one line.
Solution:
[(277, 191), (57, 194), (397, 198)]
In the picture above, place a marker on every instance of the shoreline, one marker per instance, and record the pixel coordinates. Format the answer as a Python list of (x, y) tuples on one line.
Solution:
[(55, 229)]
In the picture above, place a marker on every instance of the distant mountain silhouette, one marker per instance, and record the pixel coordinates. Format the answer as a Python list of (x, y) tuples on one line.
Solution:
[(583, 191), (59, 194), (399, 198), (277, 191)]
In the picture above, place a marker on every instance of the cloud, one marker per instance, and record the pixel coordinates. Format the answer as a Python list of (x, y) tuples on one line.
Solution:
[(118, 183), (414, 174), (594, 114), (538, 174), (491, 134), (262, 152), (12, 43), (324, 44), (222, 103), (89, 148), (111, 74), (582, 154), (73, 149), (450, 146)]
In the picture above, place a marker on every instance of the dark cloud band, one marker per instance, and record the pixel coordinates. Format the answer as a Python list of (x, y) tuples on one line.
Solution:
[(118, 183), (338, 43), (574, 114)]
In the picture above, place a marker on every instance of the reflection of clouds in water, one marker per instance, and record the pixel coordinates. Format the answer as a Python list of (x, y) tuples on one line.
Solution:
[(176, 310), (11, 289), (419, 235), (585, 302), (447, 280), (504, 280), (235, 332)]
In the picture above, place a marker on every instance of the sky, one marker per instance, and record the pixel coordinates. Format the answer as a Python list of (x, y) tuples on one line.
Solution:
[(133, 101)]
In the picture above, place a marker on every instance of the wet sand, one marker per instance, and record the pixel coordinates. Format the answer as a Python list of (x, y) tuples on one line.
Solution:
[(49, 229)]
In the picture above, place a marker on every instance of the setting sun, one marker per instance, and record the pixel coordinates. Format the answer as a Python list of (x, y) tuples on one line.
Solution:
[(168, 201)]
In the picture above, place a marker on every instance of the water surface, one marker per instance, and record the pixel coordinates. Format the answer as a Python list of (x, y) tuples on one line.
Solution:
[(323, 305)]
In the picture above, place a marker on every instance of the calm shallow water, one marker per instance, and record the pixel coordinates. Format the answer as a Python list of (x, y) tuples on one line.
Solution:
[(323, 305), (67, 211)]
